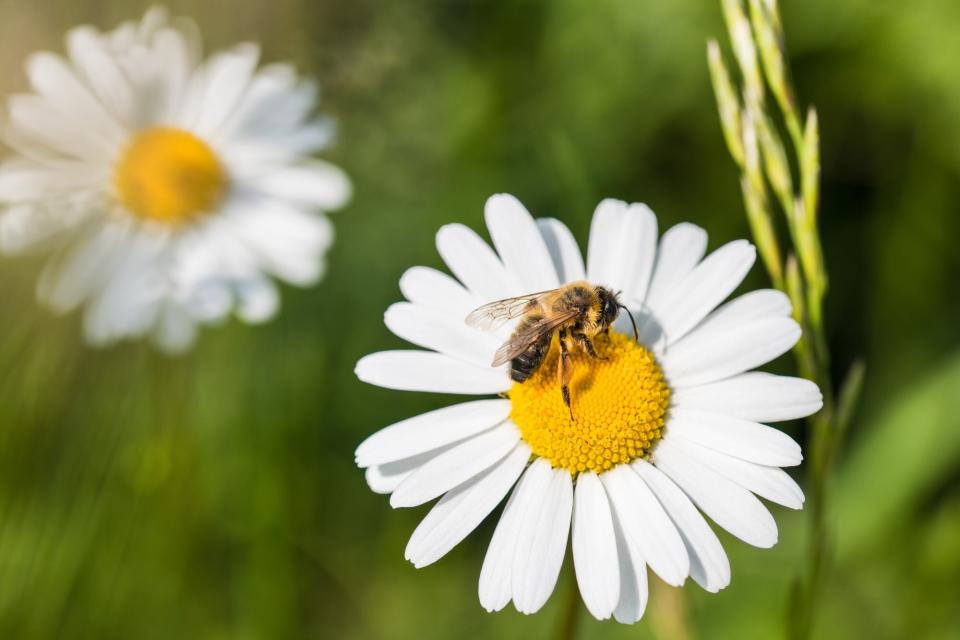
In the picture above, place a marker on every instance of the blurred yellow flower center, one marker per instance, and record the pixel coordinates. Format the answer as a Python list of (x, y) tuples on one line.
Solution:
[(169, 175), (618, 407)]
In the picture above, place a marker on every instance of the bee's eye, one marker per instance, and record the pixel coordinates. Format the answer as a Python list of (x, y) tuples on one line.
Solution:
[(610, 309)]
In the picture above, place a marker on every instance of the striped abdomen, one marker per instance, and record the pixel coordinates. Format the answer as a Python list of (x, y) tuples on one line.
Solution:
[(523, 366)]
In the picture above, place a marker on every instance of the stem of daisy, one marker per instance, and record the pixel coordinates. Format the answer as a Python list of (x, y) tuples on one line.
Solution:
[(567, 630), (669, 619)]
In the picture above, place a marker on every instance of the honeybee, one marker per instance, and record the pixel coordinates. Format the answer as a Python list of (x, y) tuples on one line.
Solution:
[(577, 312)]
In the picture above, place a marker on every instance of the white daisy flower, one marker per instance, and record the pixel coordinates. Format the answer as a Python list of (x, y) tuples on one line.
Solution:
[(169, 189), (666, 428)]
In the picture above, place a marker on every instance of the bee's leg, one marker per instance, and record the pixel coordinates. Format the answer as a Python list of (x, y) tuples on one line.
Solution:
[(587, 345), (564, 370)]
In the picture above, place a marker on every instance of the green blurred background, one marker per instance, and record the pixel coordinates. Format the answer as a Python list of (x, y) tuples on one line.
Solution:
[(215, 496)]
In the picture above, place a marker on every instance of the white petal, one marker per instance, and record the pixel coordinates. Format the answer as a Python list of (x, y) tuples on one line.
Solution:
[(294, 140), (707, 357), (274, 116), (24, 227), (436, 290), (155, 18), (426, 371), (605, 231), (52, 78), (31, 146), (704, 288), (563, 248), (130, 299), (727, 503), (120, 312), (26, 182), (168, 82), (519, 243), (225, 78), (755, 305), (681, 248), (67, 281), (475, 264), (124, 36), (98, 67), (21, 227), (288, 242), (460, 510), (771, 483), (633, 578), (757, 396), (495, 586), (646, 524), (271, 103), (442, 333), (257, 300), (37, 124), (176, 330), (542, 541), (454, 467), (762, 303), (209, 301), (709, 565), (381, 481), (640, 252), (314, 184), (595, 547), (384, 478), (431, 430), (627, 252), (736, 437)]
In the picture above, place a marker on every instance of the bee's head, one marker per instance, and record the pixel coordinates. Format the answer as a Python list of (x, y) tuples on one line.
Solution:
[(610, 306)]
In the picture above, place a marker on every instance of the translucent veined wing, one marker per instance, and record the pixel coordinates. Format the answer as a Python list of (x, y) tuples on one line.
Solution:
[(521, 340), (495, 314)]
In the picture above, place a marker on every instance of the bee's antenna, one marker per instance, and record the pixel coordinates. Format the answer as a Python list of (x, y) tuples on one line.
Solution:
[(636, 335)]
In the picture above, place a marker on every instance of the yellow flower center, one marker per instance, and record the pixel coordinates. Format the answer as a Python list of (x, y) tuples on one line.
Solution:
[(618, 404), (169, 175)]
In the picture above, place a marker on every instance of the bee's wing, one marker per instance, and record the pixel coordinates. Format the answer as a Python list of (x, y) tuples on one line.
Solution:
[(520, 341), (495, 314)]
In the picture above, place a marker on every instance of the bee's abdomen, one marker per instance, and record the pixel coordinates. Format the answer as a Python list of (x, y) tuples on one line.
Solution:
[(523, 366)]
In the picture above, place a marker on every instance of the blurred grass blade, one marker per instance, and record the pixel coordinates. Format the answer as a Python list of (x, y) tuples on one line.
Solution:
[(744, 49), (912, 444), (765, 18), (810, 167), (727, 103), (774, 158), (849, 398), (761, 226)]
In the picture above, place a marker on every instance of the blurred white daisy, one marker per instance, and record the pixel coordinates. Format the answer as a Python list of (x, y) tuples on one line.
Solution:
[(169, 189), (665, 428)]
